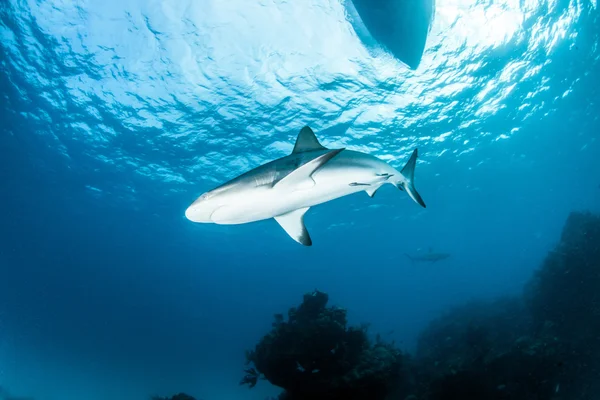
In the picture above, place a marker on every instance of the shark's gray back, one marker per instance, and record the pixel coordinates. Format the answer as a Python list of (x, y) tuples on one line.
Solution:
[(274, 171), (351, 158), (270, 173)]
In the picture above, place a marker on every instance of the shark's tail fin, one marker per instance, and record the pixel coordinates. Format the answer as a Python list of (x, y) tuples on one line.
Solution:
[(409, 257), (408, 172)]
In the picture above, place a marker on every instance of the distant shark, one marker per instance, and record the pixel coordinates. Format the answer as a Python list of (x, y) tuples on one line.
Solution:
[(284, 189), (429, 257)]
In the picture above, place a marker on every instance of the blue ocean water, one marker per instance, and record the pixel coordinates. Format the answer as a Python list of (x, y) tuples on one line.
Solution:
[(116, 115)]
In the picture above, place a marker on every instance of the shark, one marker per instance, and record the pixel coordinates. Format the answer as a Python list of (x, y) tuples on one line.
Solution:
[(431, 257), (286, 188)]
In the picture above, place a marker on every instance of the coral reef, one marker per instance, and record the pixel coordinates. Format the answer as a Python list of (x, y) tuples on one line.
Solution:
[(484, 351), (563, 298), (544, 345), (179, 396), (471, 334), (314, 355), (565, 292)]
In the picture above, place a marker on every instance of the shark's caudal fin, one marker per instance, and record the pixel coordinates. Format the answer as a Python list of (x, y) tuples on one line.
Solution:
[(409, 257), (307, 141), (293, 224), (409, 176)]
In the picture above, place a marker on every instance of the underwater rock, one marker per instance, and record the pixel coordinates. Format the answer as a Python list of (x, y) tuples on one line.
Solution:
[(514, 375), (472, 333), (543, 346), (314, 355), (564, 301), (565, 291), (483, 350), (179, 396)]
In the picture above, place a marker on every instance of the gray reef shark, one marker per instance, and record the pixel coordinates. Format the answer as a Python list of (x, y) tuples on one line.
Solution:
[(284, 189), (428, 257)]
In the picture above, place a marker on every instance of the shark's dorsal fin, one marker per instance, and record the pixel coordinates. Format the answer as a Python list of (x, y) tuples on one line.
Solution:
[(307, 141), (293, 224), (301, 178)]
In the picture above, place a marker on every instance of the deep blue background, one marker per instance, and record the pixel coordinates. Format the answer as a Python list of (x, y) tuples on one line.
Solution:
[(106, 289)]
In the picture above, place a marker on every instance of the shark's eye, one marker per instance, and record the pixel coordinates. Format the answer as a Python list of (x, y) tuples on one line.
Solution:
[(204, 196)]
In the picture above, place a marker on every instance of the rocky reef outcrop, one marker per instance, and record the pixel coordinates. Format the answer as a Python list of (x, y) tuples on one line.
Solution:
[(178, 396), (544, 345), (315, 355)]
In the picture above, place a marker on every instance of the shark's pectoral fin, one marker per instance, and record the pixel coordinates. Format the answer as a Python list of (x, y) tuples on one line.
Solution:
[(301, 178), (293, 224)]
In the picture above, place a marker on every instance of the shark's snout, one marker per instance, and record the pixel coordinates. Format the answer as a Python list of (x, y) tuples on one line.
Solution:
[(197, 214), (189, 213), (199, 210)]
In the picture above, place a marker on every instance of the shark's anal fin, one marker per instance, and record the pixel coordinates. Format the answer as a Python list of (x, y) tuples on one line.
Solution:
[(307, 141), (301, 178), (374, 186), (293, 224), (371, 191)]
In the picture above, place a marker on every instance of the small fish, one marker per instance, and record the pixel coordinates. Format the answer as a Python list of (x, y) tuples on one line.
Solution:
[(429, 257)]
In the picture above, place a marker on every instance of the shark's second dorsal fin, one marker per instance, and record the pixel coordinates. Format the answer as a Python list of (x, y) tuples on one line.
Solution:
[(307, 141)]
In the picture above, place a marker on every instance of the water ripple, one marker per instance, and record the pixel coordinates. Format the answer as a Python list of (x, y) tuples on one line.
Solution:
[(191, 92)]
